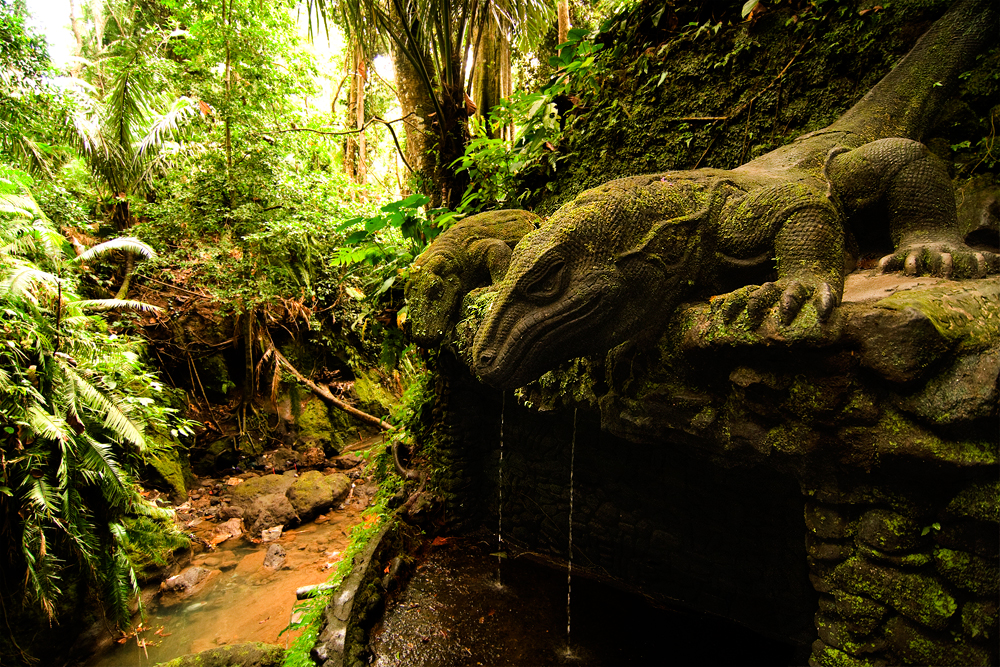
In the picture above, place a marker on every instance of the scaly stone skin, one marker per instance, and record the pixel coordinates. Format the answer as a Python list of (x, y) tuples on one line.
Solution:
[(770, 237), (473, 253)]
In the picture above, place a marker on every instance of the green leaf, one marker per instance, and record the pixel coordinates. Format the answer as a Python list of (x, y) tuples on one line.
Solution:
[(749, 7)]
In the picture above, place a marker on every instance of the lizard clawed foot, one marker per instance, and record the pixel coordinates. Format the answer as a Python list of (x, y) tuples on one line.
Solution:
[(790, 296), (948, 260)]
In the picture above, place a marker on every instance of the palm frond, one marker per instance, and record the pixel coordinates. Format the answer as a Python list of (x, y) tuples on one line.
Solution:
[(20, 282), (166, 126)]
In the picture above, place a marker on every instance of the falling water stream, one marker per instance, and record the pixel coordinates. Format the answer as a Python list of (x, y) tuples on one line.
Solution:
[(503, 407), (569, 562)]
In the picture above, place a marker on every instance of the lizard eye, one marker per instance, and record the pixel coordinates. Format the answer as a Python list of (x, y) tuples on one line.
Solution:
[(548, 284)]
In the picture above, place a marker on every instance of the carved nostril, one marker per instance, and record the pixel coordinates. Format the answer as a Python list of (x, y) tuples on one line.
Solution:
[(486, 358)]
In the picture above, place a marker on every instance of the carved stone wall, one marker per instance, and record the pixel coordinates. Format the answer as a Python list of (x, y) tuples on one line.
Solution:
[(842, 493)]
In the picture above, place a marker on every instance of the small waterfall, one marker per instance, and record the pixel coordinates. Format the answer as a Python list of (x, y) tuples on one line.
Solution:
[(569, 563)]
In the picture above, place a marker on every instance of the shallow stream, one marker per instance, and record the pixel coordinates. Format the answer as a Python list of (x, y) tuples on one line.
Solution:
[(453, 613), (242, 601)]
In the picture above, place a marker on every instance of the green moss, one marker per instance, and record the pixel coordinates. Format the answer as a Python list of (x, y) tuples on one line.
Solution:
[(316, 428), (373, 395), (151, 544), (167, 462), (242, 655), (895, 434), (980, 620), (967, 314)]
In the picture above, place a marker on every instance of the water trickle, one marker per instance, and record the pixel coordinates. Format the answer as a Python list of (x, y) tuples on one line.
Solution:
[(569, 563), (503, 407)]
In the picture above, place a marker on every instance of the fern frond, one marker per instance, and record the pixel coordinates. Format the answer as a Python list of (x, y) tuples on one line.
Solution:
[(47, 425), (115, 304), (125, 243), (20, 280), (111, 411)]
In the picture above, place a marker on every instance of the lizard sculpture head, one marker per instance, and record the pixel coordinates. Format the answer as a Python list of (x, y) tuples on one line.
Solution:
[(473, 253), (434, 290), (591, 278)]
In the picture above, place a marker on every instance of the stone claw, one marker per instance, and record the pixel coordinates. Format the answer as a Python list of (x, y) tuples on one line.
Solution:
[(791, 301), (760, 301), (826, 301)]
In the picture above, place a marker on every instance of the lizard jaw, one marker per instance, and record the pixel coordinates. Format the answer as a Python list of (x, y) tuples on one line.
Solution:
[(536, 341)]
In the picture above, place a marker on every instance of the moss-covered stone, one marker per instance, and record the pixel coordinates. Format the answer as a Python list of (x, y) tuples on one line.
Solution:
[(827, 522), (915, 595), (262, 486), (888, 531), (316, 428), (980, 619), (835, 633), (978, 501), (915, 646), (374, 397), (168, 463), (313, 492), (968, 571), (254, 654), (824, 655)]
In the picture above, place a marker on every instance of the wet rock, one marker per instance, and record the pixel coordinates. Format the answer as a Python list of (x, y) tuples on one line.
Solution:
[(222, 532), (190, 577), (313, 492), (346, 461), (275, 557), (270, 534)]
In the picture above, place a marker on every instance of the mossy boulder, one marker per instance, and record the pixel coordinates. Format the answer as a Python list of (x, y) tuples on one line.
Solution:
[(317, 429), (888, 531), (264, 503), (374, 398), (313, 492), (914, 647), (253, 654), (167, 465)]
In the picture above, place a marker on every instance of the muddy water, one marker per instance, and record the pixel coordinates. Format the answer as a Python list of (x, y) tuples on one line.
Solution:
[(453, 613), (241, 601)]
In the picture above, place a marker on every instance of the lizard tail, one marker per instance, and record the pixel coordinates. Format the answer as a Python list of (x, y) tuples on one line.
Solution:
[(908, 100)]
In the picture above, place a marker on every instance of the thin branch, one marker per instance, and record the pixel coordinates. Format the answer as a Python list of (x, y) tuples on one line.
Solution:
[(338, 133), (325, 394)]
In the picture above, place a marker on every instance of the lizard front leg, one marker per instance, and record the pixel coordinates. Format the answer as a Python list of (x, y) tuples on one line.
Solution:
[(807, 238)]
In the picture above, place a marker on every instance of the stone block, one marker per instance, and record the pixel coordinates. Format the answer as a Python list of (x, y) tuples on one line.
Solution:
[(826, 522), (828, 656), (888, 531), (916, 646), (917, 596), (835, 633), (980, 619), (968, 571)]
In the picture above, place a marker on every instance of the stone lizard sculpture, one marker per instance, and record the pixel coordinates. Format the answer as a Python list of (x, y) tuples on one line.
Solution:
[(473, 253), (769, 238)]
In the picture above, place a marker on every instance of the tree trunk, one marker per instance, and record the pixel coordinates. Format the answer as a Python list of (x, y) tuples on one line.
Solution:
[(418, 109), (562, 8), (488, 74), (355, 152)]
